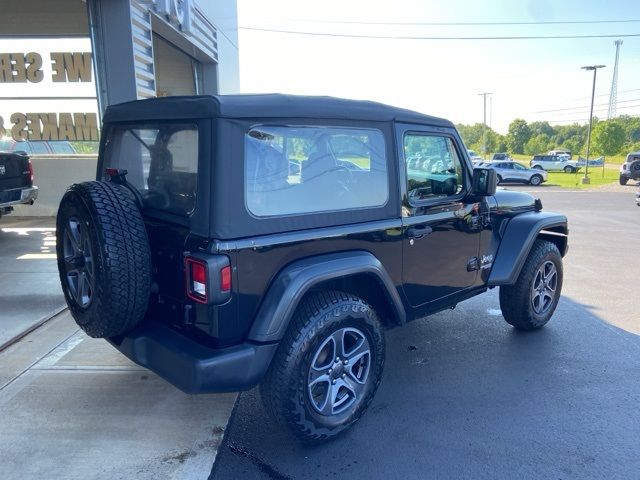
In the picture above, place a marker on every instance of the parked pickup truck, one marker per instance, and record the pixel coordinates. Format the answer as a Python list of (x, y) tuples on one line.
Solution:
[(16, 181)]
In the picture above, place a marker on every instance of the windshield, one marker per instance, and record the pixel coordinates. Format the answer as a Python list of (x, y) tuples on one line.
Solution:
[(161, 161)]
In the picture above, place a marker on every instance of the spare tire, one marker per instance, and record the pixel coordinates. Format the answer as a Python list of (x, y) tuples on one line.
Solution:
[(104, 258)]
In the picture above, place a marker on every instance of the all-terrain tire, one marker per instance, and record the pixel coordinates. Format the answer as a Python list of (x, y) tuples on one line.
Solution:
[(517, 302), (286, 391), (104, 258), (623, 180)]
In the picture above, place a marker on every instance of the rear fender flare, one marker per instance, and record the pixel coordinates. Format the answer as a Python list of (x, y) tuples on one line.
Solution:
[(295, 280)]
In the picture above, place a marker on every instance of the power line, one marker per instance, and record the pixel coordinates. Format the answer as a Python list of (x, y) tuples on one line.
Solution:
[(583, 107), (408, 37), (601, 95), (359, 22), (598, 111)]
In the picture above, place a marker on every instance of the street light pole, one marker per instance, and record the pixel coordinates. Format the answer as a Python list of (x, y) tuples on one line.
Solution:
[(484, 123), (595, 68)]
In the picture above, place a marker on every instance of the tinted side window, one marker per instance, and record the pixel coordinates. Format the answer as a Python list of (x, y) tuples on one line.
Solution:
[(298, 170), (438, 172)]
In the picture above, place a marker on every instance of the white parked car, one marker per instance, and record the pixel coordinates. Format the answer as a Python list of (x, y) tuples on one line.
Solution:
[(557, 163), (512, 172)]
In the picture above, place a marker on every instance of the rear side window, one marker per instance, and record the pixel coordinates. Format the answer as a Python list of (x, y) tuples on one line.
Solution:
[(298, 170), (161, 161)]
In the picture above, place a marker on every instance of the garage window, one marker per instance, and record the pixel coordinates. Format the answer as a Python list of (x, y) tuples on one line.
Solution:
[(298, 170)]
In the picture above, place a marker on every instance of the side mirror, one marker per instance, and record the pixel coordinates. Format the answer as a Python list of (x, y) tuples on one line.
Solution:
[(484, 182)]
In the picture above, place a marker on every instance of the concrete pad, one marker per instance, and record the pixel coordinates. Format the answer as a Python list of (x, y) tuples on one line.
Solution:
[(85, 412), (21, 356), (29, 286)]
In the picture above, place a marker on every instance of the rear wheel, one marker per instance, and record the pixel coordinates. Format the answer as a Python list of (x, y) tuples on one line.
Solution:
[(327, 368), (535, 180), (103, 258), (531, 301)]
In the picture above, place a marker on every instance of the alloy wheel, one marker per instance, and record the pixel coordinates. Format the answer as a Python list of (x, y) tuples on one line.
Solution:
[(543, 290), (78, 262), (339, 371)]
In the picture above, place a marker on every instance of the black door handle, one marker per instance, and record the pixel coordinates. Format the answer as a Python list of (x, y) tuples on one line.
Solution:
[(419, 231)]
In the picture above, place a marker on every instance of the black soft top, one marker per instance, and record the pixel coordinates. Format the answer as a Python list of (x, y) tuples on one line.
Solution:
[(264, 106)]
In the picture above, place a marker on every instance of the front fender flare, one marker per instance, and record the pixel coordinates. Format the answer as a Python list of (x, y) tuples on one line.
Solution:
[(516, 242), (291, 284)]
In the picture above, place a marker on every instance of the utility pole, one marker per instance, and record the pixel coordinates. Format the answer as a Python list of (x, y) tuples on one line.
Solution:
[(595, 68), (484, 123), (613, 97)]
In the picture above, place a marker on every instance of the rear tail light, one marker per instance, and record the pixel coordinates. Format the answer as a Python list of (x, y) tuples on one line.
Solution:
[(225, 279), (196, 280), (30, 170), (208, 278)]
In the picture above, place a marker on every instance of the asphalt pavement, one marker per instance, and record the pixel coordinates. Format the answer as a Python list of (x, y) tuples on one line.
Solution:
[(466, 396)]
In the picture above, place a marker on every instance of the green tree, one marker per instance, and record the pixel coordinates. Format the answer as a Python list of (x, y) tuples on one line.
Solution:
[(519, 134), (538, 128), (471, 134), (538, 144), (607, 138)]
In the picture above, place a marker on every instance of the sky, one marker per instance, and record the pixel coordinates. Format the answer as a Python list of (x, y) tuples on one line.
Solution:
[(530, 79)]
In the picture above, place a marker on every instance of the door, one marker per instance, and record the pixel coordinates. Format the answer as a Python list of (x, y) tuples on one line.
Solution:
[(440, 219), (505, 171), (520, 173)]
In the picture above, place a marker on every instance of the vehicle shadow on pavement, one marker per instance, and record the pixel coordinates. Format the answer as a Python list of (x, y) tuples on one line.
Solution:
[(464, 395)]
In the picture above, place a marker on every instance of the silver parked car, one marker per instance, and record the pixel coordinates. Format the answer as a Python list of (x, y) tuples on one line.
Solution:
[(510, 171)]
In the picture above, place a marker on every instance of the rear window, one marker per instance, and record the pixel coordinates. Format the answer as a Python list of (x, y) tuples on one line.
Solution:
[(298, 170), (161, 161)]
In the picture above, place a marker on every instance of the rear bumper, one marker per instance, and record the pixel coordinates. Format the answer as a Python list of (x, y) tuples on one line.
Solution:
[(26, 195), (192, 367)]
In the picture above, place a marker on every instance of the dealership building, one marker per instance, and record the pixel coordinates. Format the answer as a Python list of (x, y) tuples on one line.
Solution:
[(62, 62)]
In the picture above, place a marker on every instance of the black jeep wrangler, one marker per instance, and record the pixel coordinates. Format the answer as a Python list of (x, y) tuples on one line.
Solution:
[(270, 240)]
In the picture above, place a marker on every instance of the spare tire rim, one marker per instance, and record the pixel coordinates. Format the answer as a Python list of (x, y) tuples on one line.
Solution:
[(339, 371), (78, 262), (543, 290)]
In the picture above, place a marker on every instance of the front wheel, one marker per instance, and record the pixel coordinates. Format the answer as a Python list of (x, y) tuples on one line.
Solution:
[(327, 368), (623, 180), (535, 180), (498, 179), (569, 169), (531, 301), (537, 167)]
